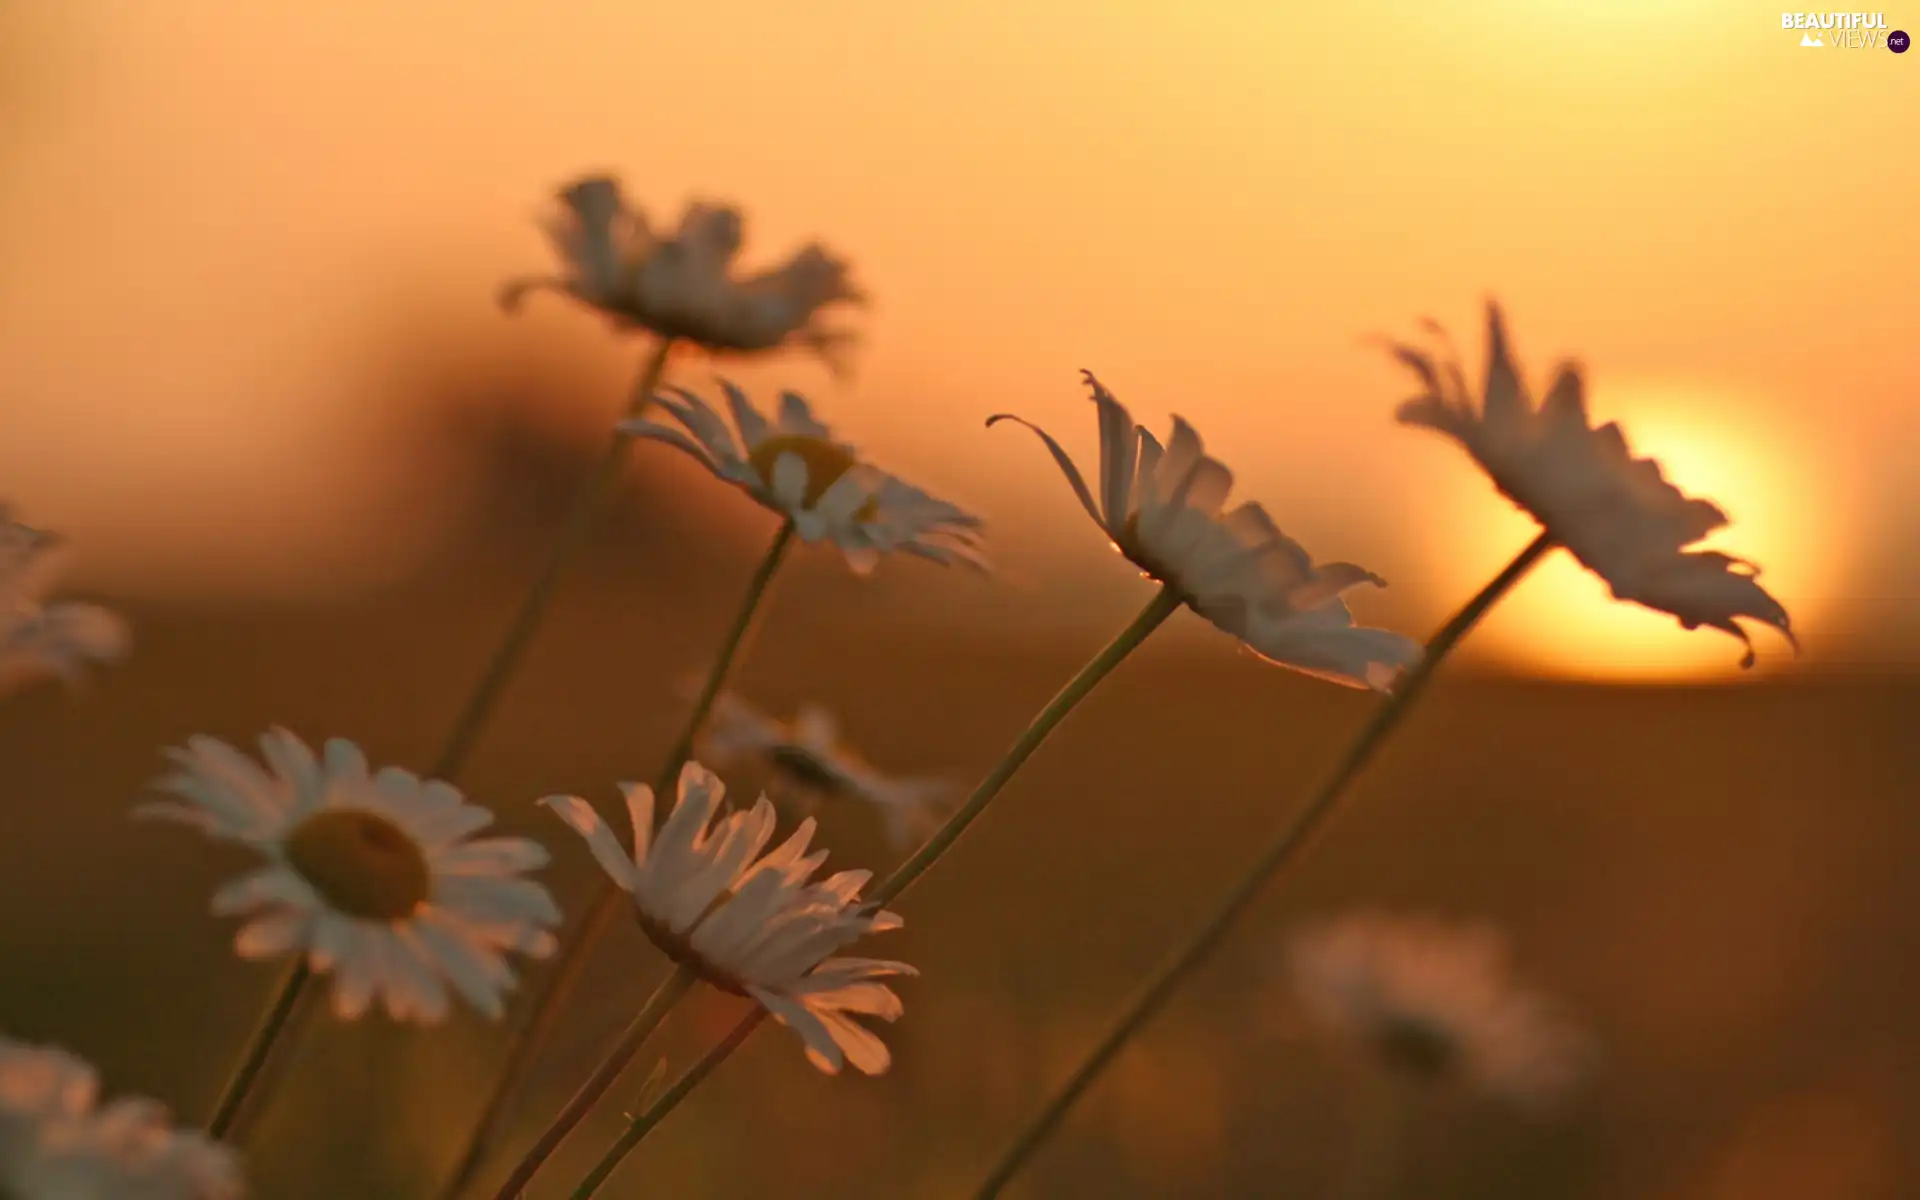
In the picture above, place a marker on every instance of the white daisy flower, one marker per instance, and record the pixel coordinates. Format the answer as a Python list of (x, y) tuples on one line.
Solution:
[(1162, 508), (1436, 1001), (1616, 513), (682, 286), (58, 1142), (374, 876), (795, 467), (809, 764), (38, 639), (750, 924)]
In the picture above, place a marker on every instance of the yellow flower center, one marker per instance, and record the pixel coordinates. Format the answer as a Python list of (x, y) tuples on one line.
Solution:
[(361, 863), (826, 462)]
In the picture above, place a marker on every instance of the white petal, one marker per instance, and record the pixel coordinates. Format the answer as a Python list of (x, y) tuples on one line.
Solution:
[(1119, 445), (270, 936), (491, 856), (1061, 459), (269, 885), (607, 851), (823, 1050), (788, 485)]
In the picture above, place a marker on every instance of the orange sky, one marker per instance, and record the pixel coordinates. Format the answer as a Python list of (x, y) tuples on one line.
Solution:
[(208, 208)]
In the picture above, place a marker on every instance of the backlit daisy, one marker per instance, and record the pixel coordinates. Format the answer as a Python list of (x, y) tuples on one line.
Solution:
[(1162, 508), (794, 466), (1616, 513), (58, 1142), (750, 924), (683, 286), (38, 639), (1436, 1001), (375, 876), (809, 763)]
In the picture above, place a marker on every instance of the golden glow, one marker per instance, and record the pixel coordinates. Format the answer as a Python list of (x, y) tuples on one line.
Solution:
[(224, 223), (1563, 621)]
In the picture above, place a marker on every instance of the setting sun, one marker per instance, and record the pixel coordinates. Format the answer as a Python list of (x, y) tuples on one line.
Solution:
[(1563, 621)]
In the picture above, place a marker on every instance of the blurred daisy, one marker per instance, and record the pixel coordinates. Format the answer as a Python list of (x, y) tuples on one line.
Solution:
[(794, 466), (750, 924), (810, 764), (374, 875), (1436, 1002), (1615, 512), (683, 286), (58, 1142), (40, 640), (1162, 508)]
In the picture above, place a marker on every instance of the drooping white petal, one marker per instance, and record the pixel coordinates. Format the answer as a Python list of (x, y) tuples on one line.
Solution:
[(1235, 568), (1616, 513), (755, 923), (1063, 460), (601, 840)]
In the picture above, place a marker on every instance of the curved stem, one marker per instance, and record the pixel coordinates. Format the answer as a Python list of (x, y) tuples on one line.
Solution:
[(472, 719), (1277, 854), (539, 1023), (1129, 639), (655, 1011)]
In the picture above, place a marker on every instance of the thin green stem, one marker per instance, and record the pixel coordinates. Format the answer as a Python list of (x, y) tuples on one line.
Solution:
[(1277, 854), (1126, 642), (542, 1018), (288, 1046), (573, 536), (676, 985), (472, 719), (259, 1045), (666, 1102), (1129, 639)]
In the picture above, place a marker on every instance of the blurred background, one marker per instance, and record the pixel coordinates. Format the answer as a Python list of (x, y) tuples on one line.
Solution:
[(251, 365)]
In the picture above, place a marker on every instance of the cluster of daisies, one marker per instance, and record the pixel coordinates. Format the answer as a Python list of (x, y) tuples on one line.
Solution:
[(387, 885)]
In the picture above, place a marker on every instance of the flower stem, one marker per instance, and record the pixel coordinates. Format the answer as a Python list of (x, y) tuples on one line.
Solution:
[(655, 1011), (573, 536), (1278, 853), (254, 1058), (539, 1022), (472, 718), (1129, 639), (656, 1112), (1126, 642)]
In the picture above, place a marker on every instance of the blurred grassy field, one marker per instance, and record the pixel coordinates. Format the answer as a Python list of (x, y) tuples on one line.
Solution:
[(1720, 880)]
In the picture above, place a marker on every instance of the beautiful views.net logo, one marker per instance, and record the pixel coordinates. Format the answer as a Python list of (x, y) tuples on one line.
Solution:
[(1846, 31)]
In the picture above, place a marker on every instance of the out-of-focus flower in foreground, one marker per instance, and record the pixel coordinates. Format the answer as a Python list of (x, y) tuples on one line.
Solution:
[(58, 1142), (39, 640), (1437, 1002), (1162, 507), (375, 876), (809, 764), (751, 924), (1616, 513), (684, 286), (795, 467)]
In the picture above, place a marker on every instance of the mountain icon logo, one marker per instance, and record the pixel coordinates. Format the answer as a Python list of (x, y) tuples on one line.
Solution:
[(1811, 39)]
